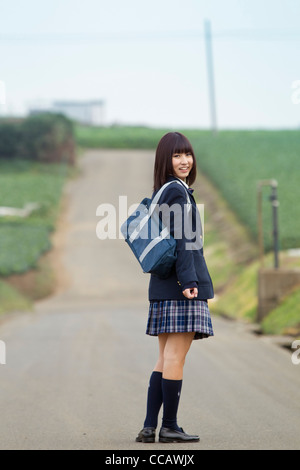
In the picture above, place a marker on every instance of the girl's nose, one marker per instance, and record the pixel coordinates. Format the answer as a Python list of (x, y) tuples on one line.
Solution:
[(184, 159)]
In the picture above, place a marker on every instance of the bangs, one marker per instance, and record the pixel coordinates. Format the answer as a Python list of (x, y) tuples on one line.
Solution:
[(181, 144)]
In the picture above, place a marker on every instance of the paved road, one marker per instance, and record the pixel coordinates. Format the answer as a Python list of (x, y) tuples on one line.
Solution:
[(78, 366)]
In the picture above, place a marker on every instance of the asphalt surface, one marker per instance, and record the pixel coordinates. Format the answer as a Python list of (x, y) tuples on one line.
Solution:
[(77, 368)]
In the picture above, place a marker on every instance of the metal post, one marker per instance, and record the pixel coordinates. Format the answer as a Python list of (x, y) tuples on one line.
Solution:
[(275, 204), (259, 224), (210, 73)]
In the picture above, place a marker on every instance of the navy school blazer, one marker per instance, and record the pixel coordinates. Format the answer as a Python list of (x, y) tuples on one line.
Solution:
[(190, 268)]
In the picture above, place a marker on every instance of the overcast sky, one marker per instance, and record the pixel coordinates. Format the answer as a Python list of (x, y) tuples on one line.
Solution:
[(147, 59)]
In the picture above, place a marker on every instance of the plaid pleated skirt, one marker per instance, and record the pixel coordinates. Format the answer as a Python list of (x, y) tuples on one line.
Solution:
[(179, 316)]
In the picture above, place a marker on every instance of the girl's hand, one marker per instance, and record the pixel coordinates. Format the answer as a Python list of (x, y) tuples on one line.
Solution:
[(191, 293)]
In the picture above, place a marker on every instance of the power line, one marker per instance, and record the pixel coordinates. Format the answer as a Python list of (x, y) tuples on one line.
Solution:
[(264, 34)]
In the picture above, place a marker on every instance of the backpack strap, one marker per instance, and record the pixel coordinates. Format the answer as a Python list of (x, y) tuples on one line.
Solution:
[(152, 208), (161, 190)]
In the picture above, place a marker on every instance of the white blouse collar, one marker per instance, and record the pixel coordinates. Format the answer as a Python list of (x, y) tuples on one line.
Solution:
[(183, 182)]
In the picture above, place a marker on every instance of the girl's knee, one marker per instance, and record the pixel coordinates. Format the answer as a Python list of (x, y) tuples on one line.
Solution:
[(174, 357)]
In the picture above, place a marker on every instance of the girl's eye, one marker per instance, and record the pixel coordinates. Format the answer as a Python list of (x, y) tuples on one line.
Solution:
[(178, 156)]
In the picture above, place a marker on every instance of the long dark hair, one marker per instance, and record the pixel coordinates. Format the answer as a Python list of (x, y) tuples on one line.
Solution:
[(173, 142)]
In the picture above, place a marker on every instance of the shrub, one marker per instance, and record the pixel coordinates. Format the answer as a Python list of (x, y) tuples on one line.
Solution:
[(43, 137), (9, 139), (47, 138)]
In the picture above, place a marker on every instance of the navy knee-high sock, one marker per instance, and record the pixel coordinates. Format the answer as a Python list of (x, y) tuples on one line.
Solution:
[(154, 400), (171, 395)]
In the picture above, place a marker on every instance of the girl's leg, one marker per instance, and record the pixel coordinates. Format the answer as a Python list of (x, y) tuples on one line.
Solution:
[(175, 351), (154, 398), (165, 386), (162, 339)]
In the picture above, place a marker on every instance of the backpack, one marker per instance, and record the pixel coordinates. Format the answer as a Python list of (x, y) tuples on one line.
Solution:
[(148, 238)]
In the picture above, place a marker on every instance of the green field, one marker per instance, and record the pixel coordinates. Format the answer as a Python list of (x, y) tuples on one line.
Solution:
[(234, 161), (118, 137), (23, 240)]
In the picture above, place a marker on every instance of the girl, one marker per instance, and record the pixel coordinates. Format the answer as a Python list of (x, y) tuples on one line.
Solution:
[(178, 310)]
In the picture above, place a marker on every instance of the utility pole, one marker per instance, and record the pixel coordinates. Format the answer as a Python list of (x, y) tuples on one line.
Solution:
[(210, 74)]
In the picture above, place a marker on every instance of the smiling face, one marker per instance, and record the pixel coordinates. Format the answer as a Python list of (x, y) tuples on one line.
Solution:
[(174, 156), (182, 164)]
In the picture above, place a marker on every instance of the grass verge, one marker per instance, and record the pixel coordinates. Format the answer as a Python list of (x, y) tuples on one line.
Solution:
[(25, 272), (12, 299), (232, 257), (23, 240)]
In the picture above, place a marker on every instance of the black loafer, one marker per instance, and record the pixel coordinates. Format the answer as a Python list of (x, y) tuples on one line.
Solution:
[(172, 435), (146, 435)]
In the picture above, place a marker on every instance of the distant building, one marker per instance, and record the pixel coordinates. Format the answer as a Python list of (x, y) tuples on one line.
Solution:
[(85, 112)]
